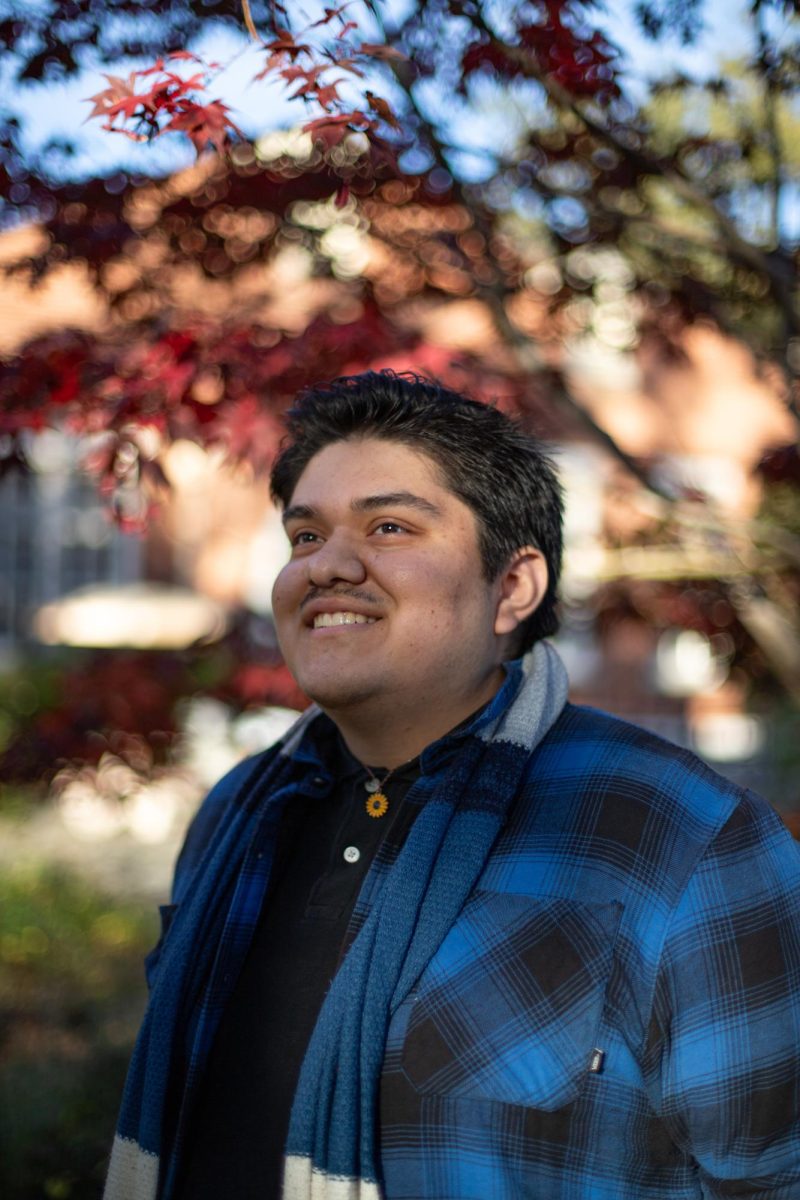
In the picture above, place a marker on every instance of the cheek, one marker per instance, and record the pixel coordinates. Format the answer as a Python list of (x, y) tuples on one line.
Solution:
[(286, 588), (443, 592)]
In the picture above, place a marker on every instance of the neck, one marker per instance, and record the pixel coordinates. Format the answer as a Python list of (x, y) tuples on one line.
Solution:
[(392, 737)]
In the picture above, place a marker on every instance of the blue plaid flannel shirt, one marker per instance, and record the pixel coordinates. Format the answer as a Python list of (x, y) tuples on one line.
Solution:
[(615, 1015)]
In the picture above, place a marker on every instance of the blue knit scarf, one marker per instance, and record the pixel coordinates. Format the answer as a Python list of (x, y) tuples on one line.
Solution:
[(331, 1150)]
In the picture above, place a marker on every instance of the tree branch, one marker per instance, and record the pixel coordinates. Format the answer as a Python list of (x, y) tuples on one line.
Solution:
[(771, 93), (775, 634), (495, 296), (776, 267)]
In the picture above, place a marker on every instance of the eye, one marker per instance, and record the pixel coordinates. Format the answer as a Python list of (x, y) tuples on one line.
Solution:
[(390, 527), (303, 538)]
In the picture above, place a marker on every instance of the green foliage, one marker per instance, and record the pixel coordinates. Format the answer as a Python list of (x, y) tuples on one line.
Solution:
[(24, 692), (18, 801), (781, 507), (719, 129), (71, 996)]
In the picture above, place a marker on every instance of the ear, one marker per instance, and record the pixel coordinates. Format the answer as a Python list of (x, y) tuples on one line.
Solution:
[(522, 585)]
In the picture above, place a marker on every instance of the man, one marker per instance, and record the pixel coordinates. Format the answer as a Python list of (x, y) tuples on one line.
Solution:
[(454, 937)]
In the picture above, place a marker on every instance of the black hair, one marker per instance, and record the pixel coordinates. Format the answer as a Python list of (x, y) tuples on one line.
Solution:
[(487, 460)]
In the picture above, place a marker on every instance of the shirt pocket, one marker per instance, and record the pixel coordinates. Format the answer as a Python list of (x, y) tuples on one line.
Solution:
[(509, 1007), (151, 960)]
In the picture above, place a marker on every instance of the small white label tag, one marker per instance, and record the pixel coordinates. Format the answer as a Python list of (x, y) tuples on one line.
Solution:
[(596, 1061)]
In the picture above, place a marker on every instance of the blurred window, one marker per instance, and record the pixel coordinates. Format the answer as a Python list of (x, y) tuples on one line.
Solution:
[(55, 536)]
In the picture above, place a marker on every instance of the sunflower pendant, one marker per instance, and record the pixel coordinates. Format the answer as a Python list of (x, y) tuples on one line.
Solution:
[(376, 804)]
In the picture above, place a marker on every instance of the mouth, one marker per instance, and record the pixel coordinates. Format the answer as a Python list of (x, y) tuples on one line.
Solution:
[(327, 620)]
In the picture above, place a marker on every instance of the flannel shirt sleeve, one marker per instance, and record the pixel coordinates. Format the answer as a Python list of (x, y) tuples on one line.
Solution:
[(724, 1044)]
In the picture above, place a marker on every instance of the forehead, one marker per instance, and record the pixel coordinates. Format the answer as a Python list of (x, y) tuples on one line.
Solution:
[(356, 466)]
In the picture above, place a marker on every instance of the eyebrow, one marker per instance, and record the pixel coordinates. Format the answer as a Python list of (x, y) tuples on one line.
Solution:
[(305, 512)]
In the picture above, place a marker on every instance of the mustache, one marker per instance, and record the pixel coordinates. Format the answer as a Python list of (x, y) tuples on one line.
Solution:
[(319, 593)]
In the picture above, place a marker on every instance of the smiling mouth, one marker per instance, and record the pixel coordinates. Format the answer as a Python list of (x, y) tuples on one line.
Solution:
[(328, 620)]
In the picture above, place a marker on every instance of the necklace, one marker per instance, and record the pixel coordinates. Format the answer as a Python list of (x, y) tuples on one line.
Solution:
[(377, 802)]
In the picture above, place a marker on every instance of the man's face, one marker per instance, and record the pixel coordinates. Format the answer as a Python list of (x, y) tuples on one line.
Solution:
[(383, 599)]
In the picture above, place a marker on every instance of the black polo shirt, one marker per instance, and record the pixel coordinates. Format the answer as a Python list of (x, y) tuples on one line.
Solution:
[(325, 846)]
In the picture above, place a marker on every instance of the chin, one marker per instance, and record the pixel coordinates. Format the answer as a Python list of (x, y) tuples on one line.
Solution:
[(337, 693)]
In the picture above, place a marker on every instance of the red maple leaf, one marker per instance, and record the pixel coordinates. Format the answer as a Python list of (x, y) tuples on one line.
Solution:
[(284, 43), (68, 387), (346, 63), (187, 56), (205, 124), (381, 107), (328, 95), (117, 90), (177, 86), (356, 117), (330, 13), (309, 74), (380, 51)]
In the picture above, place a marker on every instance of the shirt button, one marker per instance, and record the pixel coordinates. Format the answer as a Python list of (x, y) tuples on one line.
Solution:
[(351, 854)]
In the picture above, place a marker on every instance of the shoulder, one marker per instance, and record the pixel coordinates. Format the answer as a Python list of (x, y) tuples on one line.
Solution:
[(599, 753), (602, 732), (617, 809)]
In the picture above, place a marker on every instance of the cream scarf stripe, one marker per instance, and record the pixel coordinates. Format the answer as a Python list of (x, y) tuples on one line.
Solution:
[(132, 1171), (302, 1181)]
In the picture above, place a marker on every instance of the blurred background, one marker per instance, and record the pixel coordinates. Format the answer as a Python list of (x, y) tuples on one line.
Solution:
[(587, 215)]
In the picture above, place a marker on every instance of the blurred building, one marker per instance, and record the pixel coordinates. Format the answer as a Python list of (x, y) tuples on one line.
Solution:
[(700, 419)]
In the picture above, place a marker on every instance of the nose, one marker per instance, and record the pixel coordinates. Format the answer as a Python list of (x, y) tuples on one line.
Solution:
[(336, 559)]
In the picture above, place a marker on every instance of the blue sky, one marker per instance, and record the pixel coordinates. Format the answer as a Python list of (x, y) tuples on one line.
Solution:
[(59, 110)]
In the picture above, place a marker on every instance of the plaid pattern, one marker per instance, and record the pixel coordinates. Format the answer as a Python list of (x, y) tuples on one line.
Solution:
[(638, 905), (513, 968), (634, 904)]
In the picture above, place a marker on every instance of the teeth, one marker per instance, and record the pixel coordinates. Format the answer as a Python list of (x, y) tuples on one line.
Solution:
[(326, 620)]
